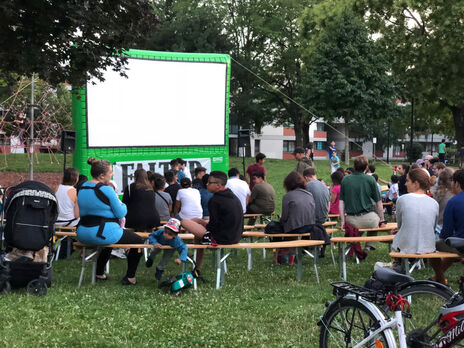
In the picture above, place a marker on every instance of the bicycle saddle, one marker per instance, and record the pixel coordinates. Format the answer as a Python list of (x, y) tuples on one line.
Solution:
[(389, 277), (455, 242)]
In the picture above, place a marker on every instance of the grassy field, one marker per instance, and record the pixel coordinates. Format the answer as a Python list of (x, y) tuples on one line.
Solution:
[(43, 162), (264, 307)]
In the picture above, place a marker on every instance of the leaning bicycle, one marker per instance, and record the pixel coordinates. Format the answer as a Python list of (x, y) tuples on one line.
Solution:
[(361, 317)]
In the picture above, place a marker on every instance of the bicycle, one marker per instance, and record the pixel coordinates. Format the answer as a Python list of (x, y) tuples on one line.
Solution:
[(361, 317)]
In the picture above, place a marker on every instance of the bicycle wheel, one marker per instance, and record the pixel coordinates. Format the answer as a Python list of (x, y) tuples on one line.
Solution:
[(425, 298), (349, 321)]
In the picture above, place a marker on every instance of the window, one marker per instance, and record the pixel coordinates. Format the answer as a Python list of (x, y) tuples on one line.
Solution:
[(320, 126), (289, 146), (257, 145), (320, 145)]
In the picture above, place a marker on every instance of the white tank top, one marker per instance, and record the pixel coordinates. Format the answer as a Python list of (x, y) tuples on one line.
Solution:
[(65, 206)]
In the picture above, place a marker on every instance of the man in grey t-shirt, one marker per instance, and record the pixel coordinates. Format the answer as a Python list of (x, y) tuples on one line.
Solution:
[(320, 194)]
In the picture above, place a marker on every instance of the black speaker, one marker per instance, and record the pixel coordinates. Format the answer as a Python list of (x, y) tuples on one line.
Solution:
[(243, 138), (68, 140)]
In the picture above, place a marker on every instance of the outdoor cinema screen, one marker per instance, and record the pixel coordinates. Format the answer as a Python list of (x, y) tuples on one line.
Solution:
[(161, 103)]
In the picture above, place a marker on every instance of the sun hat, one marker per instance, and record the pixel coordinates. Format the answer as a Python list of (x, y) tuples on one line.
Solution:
[(173, 225)]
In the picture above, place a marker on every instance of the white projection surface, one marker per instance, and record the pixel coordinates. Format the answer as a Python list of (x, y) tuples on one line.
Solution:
[(161, 103)]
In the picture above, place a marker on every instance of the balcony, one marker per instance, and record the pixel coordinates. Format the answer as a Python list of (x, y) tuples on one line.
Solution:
[(319, 136), (289, 132)]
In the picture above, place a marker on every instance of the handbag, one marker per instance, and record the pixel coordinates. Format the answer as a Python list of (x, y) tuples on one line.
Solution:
[(274, 227)]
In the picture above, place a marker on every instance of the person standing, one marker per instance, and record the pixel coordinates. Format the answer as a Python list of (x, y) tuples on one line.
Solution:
[(442, 151), (332, 148), (320, 194), (303, 161), (334, 162), (357, 192), (260, 158), (403, 169)]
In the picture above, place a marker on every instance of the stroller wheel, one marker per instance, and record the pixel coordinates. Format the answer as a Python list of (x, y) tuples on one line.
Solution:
[(37, 288), (5, 288)]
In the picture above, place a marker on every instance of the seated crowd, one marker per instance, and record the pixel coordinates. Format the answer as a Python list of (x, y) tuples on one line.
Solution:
[(428, 197)]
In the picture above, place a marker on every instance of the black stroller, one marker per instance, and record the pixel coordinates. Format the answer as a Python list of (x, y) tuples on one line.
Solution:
[(31, 210)]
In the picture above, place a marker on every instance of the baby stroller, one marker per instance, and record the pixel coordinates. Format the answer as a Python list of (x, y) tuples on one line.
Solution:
[(26, 255)]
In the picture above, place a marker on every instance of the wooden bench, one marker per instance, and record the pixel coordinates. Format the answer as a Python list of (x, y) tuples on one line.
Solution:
[(221, 258), (343, 241), (435, 255)]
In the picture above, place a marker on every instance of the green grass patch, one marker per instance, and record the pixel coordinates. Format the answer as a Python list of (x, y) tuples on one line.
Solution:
[(43, 162), (264, 307)]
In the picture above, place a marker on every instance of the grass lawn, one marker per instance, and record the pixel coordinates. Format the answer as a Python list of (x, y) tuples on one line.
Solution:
[(262, 307)]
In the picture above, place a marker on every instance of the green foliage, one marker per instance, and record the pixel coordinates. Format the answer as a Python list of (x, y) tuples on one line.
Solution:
[(414, 152), (346, 71), (69, 40), (424, 42)]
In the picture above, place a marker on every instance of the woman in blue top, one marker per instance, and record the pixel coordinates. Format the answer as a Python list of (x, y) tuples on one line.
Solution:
[(100, 211)]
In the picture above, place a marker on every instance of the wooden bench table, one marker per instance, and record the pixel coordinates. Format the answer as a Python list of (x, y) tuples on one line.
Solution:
[(221, 258), (342, 242), (435, 255)]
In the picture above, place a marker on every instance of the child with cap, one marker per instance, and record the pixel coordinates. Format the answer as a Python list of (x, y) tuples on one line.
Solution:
[(166, 236)]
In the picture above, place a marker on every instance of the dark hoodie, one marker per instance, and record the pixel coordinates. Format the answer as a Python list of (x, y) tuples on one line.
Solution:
[(225, 217)]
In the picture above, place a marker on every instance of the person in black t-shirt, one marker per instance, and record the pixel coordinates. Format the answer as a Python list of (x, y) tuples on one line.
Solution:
[(171, 179)]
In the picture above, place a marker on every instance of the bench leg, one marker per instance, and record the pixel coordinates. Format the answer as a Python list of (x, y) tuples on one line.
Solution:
[(184, 269), (342, 260), (316, 257), (405, 262), (332, 253), (219, 269), (82, 268), (250, 256), (58, 244)]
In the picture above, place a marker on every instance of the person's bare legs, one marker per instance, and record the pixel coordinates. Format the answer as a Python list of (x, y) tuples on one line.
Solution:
[(198, 228), (440, 266)]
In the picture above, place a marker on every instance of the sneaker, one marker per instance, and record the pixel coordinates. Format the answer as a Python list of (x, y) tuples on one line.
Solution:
[(149, 262), (206, 239), (159, 273)]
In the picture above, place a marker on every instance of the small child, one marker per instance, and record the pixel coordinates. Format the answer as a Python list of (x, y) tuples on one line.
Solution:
[(334, 162), (166, 236), (392, 194)]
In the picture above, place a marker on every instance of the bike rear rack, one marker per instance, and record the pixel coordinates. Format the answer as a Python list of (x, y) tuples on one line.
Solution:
[(341, 289)]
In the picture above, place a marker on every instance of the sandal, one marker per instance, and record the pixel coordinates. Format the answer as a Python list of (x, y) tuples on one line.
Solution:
[(126, 281), (101, 278)]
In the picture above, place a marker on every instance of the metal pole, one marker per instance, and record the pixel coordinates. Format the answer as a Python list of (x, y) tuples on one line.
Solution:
[(412, 130), (388, 141), (31, 149)]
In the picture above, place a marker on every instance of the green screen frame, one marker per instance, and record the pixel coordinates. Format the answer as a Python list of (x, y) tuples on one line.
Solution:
[(219, 155)]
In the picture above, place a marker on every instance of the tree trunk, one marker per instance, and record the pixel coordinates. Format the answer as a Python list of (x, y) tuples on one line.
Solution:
[(305, 133), (347, 143), (299, 130), (458, 118)]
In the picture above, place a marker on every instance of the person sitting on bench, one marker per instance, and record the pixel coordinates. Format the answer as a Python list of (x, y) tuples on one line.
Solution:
[(100, 211), (453, 226), (225, 224)]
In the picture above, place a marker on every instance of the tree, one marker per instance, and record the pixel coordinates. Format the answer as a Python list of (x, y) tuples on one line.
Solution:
[(70, 40), (346, 71), (424, 41), (267, 44)]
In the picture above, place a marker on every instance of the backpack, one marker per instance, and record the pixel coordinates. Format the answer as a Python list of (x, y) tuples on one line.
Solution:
[(31, 211)]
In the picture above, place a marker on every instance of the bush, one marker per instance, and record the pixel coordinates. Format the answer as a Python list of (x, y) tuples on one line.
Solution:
[(415, 152)]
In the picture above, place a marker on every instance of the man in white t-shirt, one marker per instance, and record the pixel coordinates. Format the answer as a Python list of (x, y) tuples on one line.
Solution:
[(239, 187), (188, 201)]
